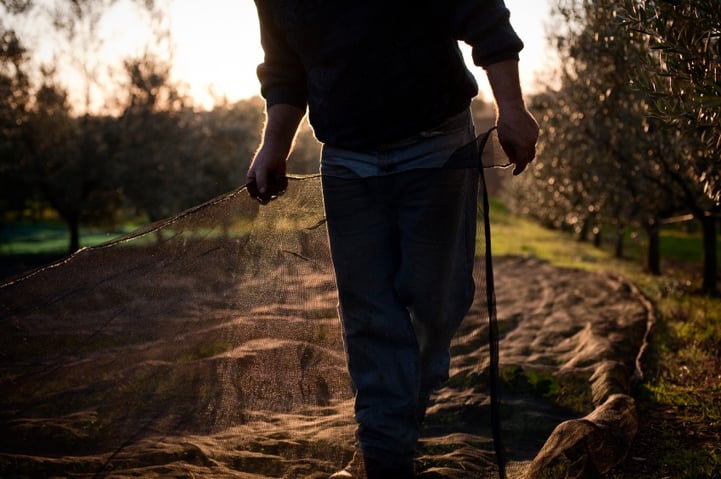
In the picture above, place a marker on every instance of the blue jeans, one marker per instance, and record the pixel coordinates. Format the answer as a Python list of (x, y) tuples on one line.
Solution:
[(403, 248)]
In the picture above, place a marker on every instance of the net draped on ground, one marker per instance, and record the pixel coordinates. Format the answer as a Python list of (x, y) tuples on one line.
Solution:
[(208, 345)]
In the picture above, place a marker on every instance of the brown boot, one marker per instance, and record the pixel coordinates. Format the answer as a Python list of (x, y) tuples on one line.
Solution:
[(361, 467), (355, 469)]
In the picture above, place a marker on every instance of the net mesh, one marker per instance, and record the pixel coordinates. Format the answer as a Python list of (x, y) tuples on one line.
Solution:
[(208, 345)]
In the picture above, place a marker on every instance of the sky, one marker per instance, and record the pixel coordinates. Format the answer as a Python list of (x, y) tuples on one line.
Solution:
[(218, 46)]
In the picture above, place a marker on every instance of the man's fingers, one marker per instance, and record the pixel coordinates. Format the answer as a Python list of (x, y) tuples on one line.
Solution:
[(277, 184), (274, 187), (522, 163), (519, 169)]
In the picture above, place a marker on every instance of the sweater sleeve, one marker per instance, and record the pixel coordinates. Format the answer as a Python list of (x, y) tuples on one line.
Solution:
[(282, 76), (485, 26)]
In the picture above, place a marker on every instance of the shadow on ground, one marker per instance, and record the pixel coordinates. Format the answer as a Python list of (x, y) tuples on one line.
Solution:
[(208, 346)]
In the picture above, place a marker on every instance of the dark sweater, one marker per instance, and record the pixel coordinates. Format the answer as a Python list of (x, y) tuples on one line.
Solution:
[(377, 71)]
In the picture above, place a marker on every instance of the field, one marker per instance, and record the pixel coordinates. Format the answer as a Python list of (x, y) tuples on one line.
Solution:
[(543, 278)]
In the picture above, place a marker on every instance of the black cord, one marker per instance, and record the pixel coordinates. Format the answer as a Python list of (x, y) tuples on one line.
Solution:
[(492, 318)]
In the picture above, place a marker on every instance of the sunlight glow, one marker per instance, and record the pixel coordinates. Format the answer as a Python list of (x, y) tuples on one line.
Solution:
[(218, 47)]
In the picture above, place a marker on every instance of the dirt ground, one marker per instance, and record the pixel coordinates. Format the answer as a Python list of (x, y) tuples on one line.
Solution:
[(199, 353)]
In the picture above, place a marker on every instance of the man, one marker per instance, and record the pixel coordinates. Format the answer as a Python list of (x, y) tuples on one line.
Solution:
[(388, 95)]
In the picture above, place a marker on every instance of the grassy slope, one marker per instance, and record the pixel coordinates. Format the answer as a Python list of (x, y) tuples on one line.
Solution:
[(680, 401)]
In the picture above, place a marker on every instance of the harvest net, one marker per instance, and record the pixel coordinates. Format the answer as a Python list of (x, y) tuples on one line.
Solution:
[(208, 345)]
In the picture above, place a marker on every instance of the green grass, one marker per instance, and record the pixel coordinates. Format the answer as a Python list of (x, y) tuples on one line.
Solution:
[(682, 246), (515, 236), (49, 238), (679, 408)]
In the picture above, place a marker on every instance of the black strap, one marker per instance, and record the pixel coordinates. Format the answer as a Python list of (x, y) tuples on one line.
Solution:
[(470, 155), (492, 319)]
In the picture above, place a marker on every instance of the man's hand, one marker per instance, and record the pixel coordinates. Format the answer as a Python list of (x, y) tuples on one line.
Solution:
[(266, 175), (518, 133), (517, 129)]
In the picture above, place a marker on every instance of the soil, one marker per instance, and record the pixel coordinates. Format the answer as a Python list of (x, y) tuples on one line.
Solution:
[(195, 352)]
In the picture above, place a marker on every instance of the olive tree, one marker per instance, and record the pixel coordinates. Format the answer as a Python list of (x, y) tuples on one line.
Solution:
[(597, 160), (680, 73)]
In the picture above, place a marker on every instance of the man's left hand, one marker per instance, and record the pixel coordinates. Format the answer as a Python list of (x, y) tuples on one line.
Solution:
[(518, 132)]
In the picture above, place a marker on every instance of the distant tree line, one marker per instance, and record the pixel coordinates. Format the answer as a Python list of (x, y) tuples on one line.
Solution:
[(154, 156), (632, 133)]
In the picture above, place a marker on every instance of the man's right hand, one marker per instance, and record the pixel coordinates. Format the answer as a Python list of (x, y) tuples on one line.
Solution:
[(266, 175)]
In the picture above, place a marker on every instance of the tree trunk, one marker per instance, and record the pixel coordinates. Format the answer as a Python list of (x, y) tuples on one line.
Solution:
[(653, 258), (597, 237), (585, 228), (618, 249), (710, 261), (74, 228)]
